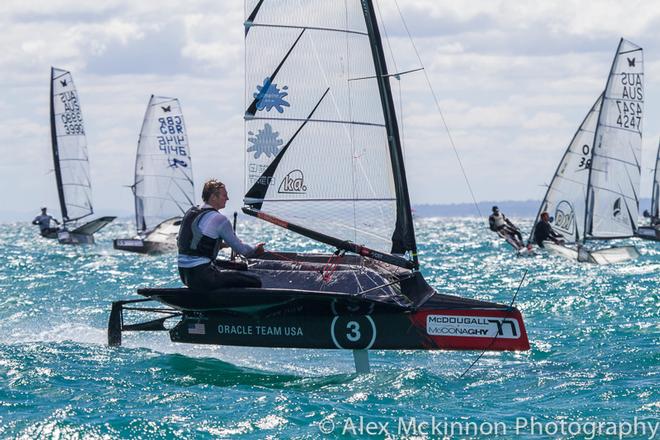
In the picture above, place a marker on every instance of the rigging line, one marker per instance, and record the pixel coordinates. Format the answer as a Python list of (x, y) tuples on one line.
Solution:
[(513, 300), (442, 117)]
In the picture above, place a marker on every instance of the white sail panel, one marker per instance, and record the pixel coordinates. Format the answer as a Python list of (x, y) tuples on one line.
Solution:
[(311, 88), (70, 148), (655, 194), (615, 172), (163, 168), (565, 199)]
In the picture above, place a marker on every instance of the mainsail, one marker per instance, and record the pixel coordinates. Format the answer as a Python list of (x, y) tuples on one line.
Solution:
[(69, 148), (163, 185), (612, 197), (323, 149), (565, 199), (655, 194)]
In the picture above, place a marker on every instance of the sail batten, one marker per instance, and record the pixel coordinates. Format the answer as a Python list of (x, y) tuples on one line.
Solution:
[(334, 169), (69, 146), (163, 186)]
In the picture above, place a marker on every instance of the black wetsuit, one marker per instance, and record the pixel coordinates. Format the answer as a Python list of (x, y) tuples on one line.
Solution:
[(543, 231)]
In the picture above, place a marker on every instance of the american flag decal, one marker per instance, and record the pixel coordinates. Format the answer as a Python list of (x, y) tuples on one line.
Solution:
[(196, 329)]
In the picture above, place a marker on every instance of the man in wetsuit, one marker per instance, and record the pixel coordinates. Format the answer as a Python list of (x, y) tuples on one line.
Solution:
[(202, 232), (499, 223), (543, 231), (43, 221)]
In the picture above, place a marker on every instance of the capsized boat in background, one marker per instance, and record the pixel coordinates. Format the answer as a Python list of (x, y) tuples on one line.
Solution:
[(652, 231), (71, 161), (163, 188), (324, 160), (594, 192)]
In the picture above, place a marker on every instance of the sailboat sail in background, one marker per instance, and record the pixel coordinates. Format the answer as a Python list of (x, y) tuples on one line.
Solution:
[(71, 161), (652, 231), (594, 192), (163, 187)]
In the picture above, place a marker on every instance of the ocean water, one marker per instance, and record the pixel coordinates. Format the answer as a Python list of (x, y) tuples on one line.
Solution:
[(594, 363)]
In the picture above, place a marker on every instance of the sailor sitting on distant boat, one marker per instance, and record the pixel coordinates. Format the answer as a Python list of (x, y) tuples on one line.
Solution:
[(499, 223), (543, 231), (43, 221), (203, 231), (655, 221)]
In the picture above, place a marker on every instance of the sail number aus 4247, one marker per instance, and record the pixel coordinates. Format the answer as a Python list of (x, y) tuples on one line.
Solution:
[(630, 114)]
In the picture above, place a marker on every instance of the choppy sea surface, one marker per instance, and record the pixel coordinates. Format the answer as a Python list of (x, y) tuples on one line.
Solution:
[(594, 363)]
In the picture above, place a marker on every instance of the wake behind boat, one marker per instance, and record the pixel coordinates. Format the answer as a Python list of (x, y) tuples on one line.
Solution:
[(71, 161), (594, 192), (163, 188), (324, 160)]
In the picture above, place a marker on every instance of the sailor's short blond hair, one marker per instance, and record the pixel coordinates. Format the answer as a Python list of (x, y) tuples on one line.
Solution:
[(211, 187)]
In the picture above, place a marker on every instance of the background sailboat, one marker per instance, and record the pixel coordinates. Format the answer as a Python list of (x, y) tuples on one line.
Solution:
[(652, 231), (71, 161), (594, 192), (163, 188)]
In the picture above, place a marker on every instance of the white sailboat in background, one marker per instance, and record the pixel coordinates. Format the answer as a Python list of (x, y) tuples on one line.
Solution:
[(652, 231), (594, 192), (71, 162), (163, 186)]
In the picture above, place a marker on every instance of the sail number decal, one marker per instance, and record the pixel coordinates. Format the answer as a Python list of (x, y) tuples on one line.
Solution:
[(172, 139), (585, 160), (630, 108), (71, 117), (353, 332), (472, 326)]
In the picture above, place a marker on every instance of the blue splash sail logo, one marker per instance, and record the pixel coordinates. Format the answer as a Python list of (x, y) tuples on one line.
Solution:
[(265, 141), (269, 96)]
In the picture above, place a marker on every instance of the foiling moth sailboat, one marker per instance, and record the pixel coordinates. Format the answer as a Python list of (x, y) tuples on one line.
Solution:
[(324, 160), (594, 192), (652, 231), (163, 188), (71, 161)]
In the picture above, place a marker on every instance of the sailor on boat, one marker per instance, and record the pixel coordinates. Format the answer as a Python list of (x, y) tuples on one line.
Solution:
[(499, 223), (201, 235), (543, 231), (655, 221), (43, 221)]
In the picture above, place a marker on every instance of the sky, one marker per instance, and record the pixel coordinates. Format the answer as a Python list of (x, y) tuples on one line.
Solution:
[(513, 79)]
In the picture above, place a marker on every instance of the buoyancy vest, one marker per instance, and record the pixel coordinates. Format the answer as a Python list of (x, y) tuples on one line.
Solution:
[(191, 241), (498, 220)]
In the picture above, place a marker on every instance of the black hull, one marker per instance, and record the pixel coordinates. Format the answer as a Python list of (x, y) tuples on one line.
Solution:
[(85, 233), (404, 315), (648, 233)]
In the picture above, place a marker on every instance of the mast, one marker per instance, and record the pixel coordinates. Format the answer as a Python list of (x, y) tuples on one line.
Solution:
[(655, 192), (56, 154), (403, 238)]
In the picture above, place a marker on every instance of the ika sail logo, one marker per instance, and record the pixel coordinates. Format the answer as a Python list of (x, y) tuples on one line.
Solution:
[(293, 183), (631, 63), (265, 141), (269, 96), (616, 208), (167, 109), (63, 82), (176, 163), (565, 217)]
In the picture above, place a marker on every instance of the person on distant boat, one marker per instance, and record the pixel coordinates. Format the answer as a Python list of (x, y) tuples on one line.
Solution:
[(499, 223), (655, 221), (43, 221), (201, 235), (543, 231)]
